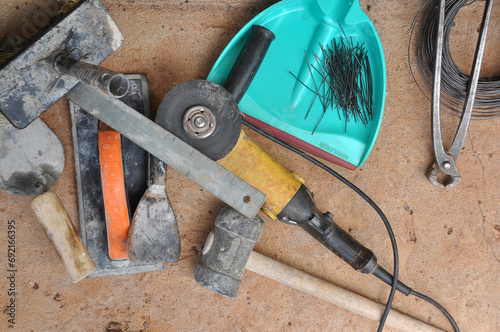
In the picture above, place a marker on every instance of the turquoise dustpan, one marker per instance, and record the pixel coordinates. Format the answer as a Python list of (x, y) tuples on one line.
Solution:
[(278, 103)]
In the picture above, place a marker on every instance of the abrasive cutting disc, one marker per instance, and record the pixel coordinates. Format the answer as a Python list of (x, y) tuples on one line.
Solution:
[(202, 114)]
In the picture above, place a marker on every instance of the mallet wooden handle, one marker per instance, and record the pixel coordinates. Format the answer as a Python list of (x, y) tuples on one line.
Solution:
[(63, 235), (326, 291)]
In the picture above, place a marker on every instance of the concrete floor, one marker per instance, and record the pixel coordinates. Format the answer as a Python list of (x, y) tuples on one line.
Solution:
[(448, 239)]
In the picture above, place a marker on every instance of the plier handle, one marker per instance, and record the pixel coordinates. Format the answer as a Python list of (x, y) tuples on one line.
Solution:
[(445, 162)]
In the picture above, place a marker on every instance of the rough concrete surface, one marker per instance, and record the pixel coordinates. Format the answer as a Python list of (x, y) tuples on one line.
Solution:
[(448, 239)]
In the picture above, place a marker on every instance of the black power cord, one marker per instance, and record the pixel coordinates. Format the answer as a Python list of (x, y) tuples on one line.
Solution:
[(437, 305), (379, 212)]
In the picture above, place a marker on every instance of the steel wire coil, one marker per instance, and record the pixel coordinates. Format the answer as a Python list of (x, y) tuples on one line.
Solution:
[(454, 82)]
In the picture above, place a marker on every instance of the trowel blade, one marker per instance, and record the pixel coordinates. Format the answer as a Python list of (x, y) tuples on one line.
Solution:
[(28, 83), (31, 159)]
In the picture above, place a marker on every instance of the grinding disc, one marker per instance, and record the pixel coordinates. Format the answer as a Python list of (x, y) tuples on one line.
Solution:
[(202, 114)]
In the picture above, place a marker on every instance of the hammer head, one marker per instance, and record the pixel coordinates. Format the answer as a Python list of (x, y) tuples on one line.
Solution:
[(227, 250), (28, 83)]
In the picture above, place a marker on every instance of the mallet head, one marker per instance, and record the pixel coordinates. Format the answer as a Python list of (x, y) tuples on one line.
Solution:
[(227, 250)]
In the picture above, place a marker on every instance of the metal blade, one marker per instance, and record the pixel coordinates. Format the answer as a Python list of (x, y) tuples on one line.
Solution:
[(31, 159)]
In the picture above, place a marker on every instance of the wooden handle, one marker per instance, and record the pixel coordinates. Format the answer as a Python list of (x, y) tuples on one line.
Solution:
[(62, 233), (331, 293)]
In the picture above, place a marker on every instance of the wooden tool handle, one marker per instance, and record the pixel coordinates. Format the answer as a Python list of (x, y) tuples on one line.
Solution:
[(326, 291), (64, 237)]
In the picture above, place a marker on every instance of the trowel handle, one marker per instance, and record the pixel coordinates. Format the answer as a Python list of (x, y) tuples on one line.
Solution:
[(157, 171), (248, 61), (106, 80), (63, 235)]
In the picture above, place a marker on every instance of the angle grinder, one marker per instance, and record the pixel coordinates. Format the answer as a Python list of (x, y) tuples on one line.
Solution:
[(206, 116)]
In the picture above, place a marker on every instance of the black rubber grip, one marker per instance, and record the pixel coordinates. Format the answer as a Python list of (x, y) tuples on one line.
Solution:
[(302, 211), (339, 242), (248, 61)]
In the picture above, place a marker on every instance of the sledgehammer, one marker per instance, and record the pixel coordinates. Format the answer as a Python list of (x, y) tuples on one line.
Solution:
[(229, 250)]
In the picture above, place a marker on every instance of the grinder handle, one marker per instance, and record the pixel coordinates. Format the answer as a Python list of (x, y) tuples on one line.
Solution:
[(349, 249), (302, 211), (63, 235), (248, 61)]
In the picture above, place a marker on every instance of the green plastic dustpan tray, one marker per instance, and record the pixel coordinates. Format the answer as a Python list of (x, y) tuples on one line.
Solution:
[(277, 103)]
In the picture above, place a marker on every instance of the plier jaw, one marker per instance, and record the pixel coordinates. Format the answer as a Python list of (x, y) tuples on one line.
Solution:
[(448, 181)]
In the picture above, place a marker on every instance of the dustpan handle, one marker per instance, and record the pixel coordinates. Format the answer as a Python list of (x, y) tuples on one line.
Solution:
[(248, 61)]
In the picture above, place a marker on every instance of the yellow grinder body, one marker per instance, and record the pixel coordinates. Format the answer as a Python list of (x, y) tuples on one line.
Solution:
[(252, 164)]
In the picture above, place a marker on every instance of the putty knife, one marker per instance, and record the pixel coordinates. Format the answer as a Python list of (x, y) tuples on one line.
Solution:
[(154, 234)]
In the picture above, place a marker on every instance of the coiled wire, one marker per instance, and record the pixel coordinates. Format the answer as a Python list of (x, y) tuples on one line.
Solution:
[(454, 82)]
